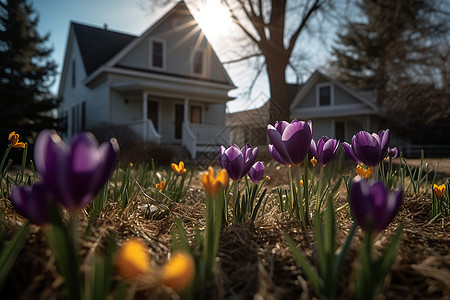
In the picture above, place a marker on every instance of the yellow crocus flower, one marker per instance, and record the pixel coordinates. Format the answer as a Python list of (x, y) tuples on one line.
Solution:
[(133, 260), (180, 169), (211, 184), (160, 186), (365, 173), (178, 272), (313, 161), (14, 138), (439, 190)]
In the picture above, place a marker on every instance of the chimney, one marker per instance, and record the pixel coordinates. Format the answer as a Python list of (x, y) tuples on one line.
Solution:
[(105, 26)]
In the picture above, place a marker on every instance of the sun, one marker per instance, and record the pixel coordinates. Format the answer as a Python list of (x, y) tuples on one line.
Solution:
[(214, 19)]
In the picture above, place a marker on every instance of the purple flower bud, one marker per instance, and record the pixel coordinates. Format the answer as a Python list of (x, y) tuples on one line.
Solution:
[(290, 141), (325, 150), (237, 161), (256, 172), (392, 152), (371, 202), (367, 148), (75, 173), (32, 202)]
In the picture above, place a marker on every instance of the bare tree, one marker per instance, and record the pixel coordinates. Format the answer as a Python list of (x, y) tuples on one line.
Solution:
[(264, 23), (269, 40)]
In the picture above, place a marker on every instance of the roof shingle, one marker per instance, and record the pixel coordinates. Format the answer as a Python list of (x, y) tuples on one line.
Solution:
[(98, 45)]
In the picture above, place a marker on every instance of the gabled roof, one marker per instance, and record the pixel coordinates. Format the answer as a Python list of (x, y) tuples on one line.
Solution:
[(98, 45), (310, 83), (112, 62)]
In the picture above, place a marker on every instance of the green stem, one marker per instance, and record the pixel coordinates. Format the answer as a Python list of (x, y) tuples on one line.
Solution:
[(295, 204), (4, 158)]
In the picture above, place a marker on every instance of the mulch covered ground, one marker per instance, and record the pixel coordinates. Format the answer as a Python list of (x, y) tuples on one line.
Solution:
[(254, 261)]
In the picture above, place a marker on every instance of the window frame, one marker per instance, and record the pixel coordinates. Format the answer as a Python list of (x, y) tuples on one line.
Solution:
[(203, 61), (323, 85), (163, 59)]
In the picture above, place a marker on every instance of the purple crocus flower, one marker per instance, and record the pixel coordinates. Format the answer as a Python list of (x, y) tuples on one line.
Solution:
[(371, 202), (75, 173), (256, 172), (392, 152), (290, 141), (325, 149), (32, 202), (237, 161), (367, 148)]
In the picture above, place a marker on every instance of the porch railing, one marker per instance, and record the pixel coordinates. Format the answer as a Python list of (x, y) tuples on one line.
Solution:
[(146, 130), (189, 139), (210, 134)]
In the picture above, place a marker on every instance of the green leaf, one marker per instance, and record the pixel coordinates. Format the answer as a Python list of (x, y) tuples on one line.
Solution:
[(10, 252), (305, 265), (102, 272)]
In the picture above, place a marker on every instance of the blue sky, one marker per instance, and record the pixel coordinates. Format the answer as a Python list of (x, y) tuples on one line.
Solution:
[(129, 16)]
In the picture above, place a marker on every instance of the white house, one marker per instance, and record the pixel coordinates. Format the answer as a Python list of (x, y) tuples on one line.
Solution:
[(167, 84), (335, 109)]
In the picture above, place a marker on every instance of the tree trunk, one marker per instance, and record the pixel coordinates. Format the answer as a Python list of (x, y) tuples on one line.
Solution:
[(279, 101)]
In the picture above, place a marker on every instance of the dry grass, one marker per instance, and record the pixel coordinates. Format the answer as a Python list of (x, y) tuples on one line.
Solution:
[(254, 261)]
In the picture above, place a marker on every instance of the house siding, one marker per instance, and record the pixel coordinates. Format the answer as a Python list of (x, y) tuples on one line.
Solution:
[(342, 97), (178, 60), (97, 105), (72, 95)]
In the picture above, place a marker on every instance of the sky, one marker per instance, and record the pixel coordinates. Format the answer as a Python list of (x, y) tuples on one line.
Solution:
[(134, 16)]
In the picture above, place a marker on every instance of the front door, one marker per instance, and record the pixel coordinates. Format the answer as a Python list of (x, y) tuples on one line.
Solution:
[(152, 112), (179, 117)]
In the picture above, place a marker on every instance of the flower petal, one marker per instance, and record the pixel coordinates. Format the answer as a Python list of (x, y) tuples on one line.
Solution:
[(297, 140)]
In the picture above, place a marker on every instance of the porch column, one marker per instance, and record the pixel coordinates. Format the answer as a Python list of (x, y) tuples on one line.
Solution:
[(186, 110), (144, 114)]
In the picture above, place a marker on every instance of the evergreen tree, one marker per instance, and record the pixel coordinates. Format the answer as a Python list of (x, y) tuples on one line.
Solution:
[(26, 73), (396, 49)]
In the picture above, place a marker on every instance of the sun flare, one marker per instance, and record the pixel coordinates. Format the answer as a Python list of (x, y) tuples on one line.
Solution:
[(214, 18)]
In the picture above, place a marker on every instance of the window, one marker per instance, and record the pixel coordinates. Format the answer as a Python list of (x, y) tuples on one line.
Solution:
[(324, 94), (157, 54), (339, 130), (73, 73), (196, 114), (197, 64)]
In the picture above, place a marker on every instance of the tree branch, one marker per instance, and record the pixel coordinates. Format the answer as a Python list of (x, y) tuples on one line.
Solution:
[(239, 24), (317, 4), (242, 58)]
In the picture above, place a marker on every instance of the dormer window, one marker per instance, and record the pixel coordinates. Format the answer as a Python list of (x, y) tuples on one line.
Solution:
[(198, 63), (157, 57), (324, 94)]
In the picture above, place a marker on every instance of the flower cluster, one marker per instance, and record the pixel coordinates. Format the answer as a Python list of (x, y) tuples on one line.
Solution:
[(72, 174), (237, 161), (367, 148)]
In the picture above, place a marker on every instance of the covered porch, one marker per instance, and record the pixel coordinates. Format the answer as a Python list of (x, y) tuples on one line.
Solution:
[(167, 118)]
